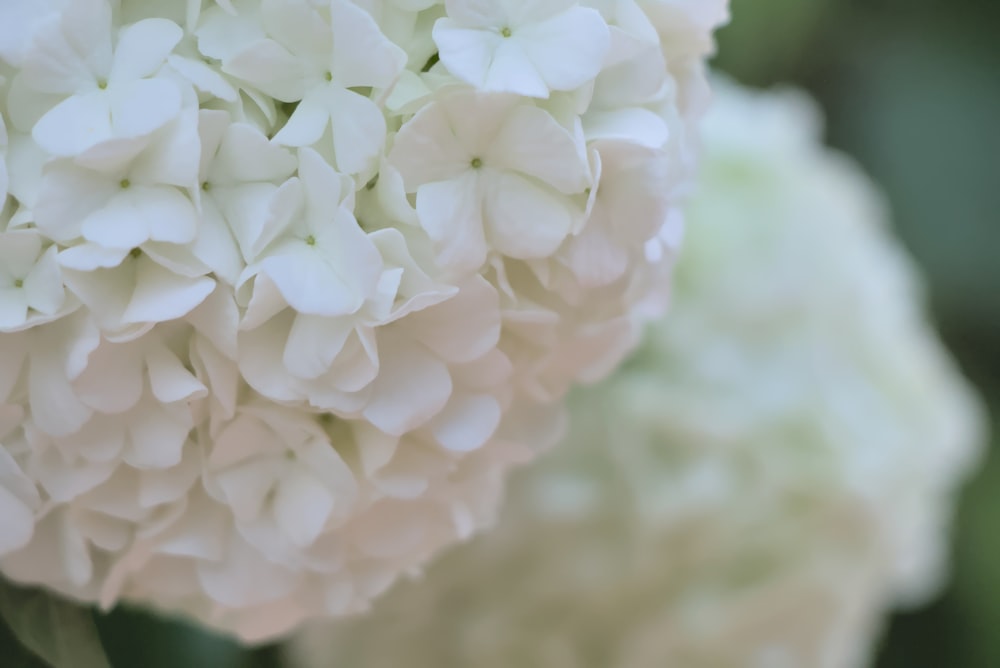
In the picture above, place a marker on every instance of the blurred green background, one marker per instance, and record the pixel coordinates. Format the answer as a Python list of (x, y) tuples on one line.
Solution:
[(912, 91)]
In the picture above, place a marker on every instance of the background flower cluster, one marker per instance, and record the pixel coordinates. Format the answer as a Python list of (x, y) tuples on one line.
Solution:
[(758, 485)]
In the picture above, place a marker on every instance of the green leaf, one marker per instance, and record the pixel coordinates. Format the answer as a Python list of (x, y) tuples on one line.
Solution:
[(14, 653), (59, 633), (137, 637)]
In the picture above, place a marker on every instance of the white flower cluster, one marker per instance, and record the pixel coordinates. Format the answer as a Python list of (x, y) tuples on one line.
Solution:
[(758, 484), (287, 285)]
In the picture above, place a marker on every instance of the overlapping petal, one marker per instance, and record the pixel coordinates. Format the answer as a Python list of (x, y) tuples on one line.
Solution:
[(287, 286)]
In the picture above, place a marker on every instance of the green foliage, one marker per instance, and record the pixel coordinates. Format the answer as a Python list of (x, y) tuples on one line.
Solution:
[(137, 638), (768, 41), (40, 630)]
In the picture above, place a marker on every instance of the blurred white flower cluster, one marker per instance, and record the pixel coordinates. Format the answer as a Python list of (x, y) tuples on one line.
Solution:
[(287, 285), (768, 475)]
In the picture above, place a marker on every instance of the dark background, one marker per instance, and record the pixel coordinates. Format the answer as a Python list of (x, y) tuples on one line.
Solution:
[(912, 91)]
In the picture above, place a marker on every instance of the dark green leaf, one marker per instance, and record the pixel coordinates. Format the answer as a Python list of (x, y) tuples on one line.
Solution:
[(61, 634), (14, 653)]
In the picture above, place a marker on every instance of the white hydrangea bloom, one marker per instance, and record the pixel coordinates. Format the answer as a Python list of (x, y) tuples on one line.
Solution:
[(287, 286), (768, 475)]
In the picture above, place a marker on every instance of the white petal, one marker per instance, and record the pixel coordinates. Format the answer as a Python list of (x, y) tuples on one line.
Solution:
[(412, 387), (307, 123), (524, 220), (313, 343), (161, 295), (67, 195), (301, 506), (512, 71), (467, 422), (115, 396), (140, 214), (468, 53), (247, 485), (55, 407), (245, 578), (246, 155), (70, 50), (595, 257), (88, 257), (363, 56), (568, 49), (143, 47), (169, 380), (451, 214), (17, 522), (533, 143), (75, 124), (142, 106), (158, 435), (478, 13), (426, 149), (19, 250), (13, 308), (43, 286), (215, 246), (172, 156), (463, 328), (358, 130), (636, 125), (204, 78), (271, 68), (309, 283), (298, 26)]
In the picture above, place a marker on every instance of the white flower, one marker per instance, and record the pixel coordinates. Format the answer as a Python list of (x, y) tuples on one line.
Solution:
[(240, 171), (31, 284), (126, 193), (288, 286), (490, 173), (315, 58), (528, 47), (111, 82), (757, 486), (276, 470)]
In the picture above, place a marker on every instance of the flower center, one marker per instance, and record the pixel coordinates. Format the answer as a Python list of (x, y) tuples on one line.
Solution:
[(476, 163), (124, 183), (135, 252), (311, 240), (328, 75), (206, 186), (102, 84), (18, 283), (505, 32)]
